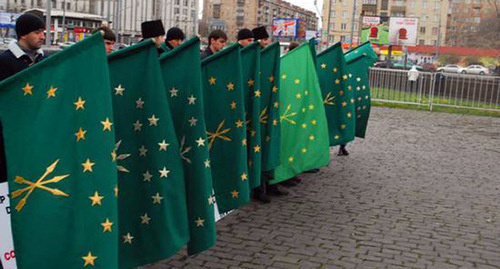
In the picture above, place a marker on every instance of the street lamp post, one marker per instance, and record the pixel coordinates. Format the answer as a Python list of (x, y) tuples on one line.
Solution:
[(63, 20), (48, 22), (352, 24)]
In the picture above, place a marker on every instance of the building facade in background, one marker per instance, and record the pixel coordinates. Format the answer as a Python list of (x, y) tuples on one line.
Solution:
[(126, 15), (232, 15), (338, 18)]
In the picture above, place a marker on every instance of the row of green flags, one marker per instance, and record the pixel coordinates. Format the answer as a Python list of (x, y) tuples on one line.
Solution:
[(120, 161)]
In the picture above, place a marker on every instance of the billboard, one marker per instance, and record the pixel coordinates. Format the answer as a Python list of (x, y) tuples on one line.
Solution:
[(403, 31), (286, 27), (8, 20), (375, 30)]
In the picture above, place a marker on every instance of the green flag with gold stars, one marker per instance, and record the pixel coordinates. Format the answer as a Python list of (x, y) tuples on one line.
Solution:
[(62, 178), (250, 64), (338, 97), (182, 79), (365, 49), (304, 127), (223, 100), (152, 195), (270, 101), (358, 81)]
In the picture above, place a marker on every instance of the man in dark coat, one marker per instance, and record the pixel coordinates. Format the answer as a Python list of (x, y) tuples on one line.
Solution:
[(155, 31), (175, 37), (21, 54), (245, 37), (260, 34), (216, 41)]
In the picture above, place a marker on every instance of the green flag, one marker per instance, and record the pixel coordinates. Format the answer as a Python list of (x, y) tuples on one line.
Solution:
[(250, 64), (60, 171), (366, 49), (152, 199), (270, 101), (225, 118), (182, 78), (338, 97), (312, 46), (304, 128), (359, 83)]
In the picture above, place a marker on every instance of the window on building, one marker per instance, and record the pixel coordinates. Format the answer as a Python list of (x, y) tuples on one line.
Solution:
[(176, 10), (177, 2), (216, 11), (425, 4), (332, 26), (342, 38), (186, 3), (477, 19), (421, 42), (412, 4), (332, 14), (422, 30), (344, 14), (435, 31), (185, 11), (343, 26), (385, 5), (355, 27), (436, 18)]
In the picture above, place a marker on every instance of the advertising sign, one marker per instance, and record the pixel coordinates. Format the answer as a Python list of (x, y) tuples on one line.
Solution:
[(403, 31), (375, 30), (8, 20), (286, 27), (7, 254)]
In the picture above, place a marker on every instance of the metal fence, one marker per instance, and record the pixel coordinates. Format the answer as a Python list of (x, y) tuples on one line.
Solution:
[(436, 89)]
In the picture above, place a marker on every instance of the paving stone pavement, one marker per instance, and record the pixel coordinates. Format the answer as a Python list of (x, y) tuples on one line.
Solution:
[(421, 191)]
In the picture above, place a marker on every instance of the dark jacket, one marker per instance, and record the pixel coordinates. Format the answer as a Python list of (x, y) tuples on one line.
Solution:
[(10, 65), (207, 52)]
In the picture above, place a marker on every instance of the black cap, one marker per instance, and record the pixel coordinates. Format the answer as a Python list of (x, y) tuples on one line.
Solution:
[(152, 29), (244, 34), (260, 33), (28, 23), (175, 33), (107, 33)]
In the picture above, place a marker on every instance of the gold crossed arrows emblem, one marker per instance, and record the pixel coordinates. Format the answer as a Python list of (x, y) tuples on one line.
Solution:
[(287, 115), (40, 184), (218, 134), (263, 116), (329, 99)]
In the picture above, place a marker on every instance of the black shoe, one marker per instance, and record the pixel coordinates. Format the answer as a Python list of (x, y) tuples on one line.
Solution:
[(289, 183), (343, 152), (274, 190), (315, 170), (262, 197)]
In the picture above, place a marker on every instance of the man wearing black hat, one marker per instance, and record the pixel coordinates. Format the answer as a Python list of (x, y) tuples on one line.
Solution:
[(260, 34), (245, 37), (26, 51), (217, 40), (175, 37), (155, 31), (21, 54)]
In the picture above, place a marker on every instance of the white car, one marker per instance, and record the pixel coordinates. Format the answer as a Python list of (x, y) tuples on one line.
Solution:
[(475, 69), (449, 68)]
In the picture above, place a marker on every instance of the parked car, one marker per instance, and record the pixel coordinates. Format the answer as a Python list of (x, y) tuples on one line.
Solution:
[(449, 68), (474, 69), (65, 45), (401, 65)]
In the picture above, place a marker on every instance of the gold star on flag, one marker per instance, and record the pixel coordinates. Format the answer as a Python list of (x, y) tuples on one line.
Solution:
[(28, 89), (89, 259), (341, 93), (200, 142), (304, 125), (239, 123), (173, 92), (275, 89), (244, 142), (336, 137), (107, 226), (127, 238), (344, 77), (349, 115), (80, 134), (164, 172), (244, 176), (145, 219), (257, 93), (137, 126), (212, 80), (96, 199), (268, 138), (358, 79), (306, 92), (143, 151), (106, 125), (335, 70), (276, 104), (87, 166), (163, 145), (312, 137), (343, 126), (233, 105), (80, 104), (298, 96), (358, 88), (115, 189), (119, 90), (283, 76), (311, 107), (253, 133), (153, 120), (139, 104), (157, 198), (207, 163), (271, 79), (256, 148), (337, 81), (323, 66), (350, 75), (199, 222), (296, 81), (352, 100), (230, 86), (314, 122), (235, 194), (51, 92), (191, 100), (291, 159), (147, 176), (275, 122), (304, 150), (344, 104), (192, 121), (366, 96), (251, 82)]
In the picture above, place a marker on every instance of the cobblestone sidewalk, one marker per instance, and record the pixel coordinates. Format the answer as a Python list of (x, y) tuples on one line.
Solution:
[(422, 191)]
